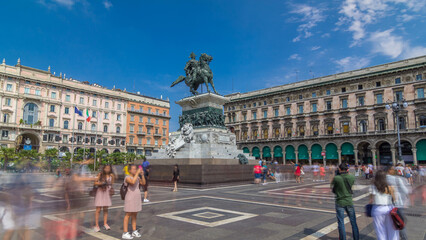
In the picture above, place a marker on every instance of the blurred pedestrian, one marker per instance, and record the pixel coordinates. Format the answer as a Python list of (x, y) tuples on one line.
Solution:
[(176, 174), (264, 172), (322, 173), (382, 195), (146, 169), (104, 183), (315, 171), (6, 216), (132, 200), (408, 173), (257, 171), (342, 188), (297, 172)]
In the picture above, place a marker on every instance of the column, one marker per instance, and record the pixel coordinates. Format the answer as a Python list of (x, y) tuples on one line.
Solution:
[(373, 153), (393, 156), (414, 150), (297, 156), (310, 158), (339, 152), (356, 157), (284, 156)]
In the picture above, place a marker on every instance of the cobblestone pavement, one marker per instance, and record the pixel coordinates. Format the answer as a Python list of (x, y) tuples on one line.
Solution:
[(284, 210)]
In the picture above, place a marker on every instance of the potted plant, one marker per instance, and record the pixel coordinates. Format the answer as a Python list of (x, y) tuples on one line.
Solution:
[(21, 121)]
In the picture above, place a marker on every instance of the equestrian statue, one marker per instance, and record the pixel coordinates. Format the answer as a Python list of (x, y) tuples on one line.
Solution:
[(197, 73)]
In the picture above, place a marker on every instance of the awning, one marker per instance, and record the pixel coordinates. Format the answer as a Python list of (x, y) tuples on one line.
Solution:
[(303, 152), (421, 150), (347, 149), (289, 153), (278, 151), (256, 152), (316, 152), (266, 152), (246, 150), (331, 151)]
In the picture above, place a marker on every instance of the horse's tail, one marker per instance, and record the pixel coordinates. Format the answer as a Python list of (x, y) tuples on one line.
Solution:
[(180, 79)]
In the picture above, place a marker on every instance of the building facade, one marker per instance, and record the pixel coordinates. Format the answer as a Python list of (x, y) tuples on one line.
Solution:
[(38, 112), (336, 118), (147, 124)]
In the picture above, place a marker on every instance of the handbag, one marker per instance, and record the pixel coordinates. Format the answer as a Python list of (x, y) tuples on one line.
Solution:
[(123, 191), (368, 209), (92, 192), (398, 220), (111, 191)]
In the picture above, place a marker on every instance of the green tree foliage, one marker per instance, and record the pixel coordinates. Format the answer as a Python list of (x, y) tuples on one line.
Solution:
[(7, 155)]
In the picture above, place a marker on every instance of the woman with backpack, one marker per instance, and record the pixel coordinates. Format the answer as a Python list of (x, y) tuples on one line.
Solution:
[(104, 183), (132, 200), (381, 197)]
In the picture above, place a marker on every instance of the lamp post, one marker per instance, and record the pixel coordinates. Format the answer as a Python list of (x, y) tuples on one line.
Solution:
[(396, 107)]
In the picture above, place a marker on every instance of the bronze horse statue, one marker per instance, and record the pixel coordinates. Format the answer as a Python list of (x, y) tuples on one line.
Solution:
[(197, 73)]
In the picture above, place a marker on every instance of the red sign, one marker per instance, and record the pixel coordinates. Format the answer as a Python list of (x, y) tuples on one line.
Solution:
[(323, 154)]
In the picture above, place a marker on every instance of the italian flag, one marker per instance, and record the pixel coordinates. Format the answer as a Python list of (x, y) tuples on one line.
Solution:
[(87, 115)]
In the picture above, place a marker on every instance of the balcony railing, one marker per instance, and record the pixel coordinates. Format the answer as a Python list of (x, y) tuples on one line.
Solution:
[(150, 113)]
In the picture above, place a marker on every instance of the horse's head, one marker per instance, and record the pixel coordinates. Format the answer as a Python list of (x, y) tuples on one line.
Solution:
[(206, 58)]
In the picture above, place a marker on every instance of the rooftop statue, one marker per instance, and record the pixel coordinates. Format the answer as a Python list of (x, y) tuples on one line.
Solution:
[(197, 73)]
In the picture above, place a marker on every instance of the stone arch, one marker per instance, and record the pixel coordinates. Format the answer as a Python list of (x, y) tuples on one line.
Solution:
[(28, 141), (290, 152), (384, 152), (255, 152), (278, 153)]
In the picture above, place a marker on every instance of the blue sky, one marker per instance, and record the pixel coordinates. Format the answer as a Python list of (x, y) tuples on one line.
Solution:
[(143, 45)]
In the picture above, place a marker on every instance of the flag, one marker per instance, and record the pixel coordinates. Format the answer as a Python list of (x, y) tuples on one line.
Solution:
[(87, 115), (78, 111)]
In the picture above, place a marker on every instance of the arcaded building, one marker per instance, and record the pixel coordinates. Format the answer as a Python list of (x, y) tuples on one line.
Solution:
[(341, 117)]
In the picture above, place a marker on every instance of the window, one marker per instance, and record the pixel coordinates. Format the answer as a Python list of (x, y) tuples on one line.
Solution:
[(94, 114), (315, 130), (379, 98), (330, 129), (148, 141), (275, 100), (300, 97), (119, 106), (327, 92), (65, 138), (244, 106), (419, 77), (4, 134), (265, 133), (345, 127), (254, 104), (314, 107), (8, 102), (288, 99), (93, 127), (314, 94), (343, 89), (5, 118), (119, 117), (156, 131), (67, 98), (301, 131), (53, 95), (156, 121), (244, 117), (81, 100), (360, 87), (344, 103), (288, 111), (132, 128), (9, 87), (118, 129), (420, 93), (132, 107), (328, 103), (276, 112), (132, 118), (399, 95), (66, 123), (27, 90), (139, 141), (397, 80), (402, 123), (140, 129), (288, 131), (378, 84), (94, 102), (300, 109), (363, 126), (140, 119), (164, 122), (381, 126), (105, 128), (265, 114), (164, 132), (80, 126), (361, 101), (106, 104), (30, 113), (79, 139), (52, 108), (422, 120), (51, 122), (264, 103), (106, 116), (37, 92), (149, 120), (254, 116), (92, 140), (131, 140)]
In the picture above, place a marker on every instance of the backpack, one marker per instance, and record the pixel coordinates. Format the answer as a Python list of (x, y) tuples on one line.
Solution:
[(123, 191)]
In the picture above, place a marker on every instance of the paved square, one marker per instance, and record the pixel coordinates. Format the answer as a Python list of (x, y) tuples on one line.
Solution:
[(201, 216)]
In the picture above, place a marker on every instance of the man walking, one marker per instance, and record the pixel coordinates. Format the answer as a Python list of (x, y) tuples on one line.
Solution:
[(146, 168), (342, 188)]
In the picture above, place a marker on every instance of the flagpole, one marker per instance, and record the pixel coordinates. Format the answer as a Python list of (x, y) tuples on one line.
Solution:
[(84, 147), (72, 132), (96, 142)]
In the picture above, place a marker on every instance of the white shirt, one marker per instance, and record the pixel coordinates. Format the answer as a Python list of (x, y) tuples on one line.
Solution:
[(380, 198), (401, 188)]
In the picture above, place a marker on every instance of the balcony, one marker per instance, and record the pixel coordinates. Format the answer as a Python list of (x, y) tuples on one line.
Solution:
[(158, 135), (141, 133), (149, 113), (31, 127), (149, 124), (7, 109), (8, 125)]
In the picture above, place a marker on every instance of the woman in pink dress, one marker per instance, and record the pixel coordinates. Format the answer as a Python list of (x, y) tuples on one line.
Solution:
[(133, 200), (103, 195)]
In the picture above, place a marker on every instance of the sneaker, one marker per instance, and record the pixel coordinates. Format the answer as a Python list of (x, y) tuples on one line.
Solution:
[(136, 234), (146, 200), (96, 229), (126, 236)]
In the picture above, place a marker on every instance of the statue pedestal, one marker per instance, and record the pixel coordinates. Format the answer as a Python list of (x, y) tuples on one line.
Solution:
[(203, 145)]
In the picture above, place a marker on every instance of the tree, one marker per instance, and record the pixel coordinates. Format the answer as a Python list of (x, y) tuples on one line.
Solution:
[(130, 157), (27, 159), (50, 155), (7, 154)]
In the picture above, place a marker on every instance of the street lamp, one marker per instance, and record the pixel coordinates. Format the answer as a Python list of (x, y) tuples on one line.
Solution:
[(396, 107)]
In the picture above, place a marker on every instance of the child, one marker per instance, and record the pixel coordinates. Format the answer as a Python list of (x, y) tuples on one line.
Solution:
[(133, 200), (104, 183)]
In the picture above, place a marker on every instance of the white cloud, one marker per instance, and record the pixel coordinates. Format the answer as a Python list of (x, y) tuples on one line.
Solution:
[(325, 35), (107, 4), (310, 17), (295, 57), (352, 63), (411, 52), (315, 48)]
